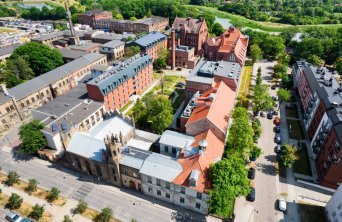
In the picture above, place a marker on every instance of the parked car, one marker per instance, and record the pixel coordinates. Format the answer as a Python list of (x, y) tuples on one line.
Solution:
[(13, 217), (251, 195), (262, 114), (251, 174), (278, 149), (274, 98), (273, 87), (26, 220), (255, 113), (277, 129), (275, 113), (277, 139), (270, 115), (282, 204), (276, 120), (180, 84)]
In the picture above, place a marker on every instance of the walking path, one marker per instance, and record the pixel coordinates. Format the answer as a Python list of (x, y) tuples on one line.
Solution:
[(57, 212)]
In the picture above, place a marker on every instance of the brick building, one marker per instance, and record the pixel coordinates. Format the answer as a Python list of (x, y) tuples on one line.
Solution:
[(116, 86), (321, 101), (190, 32), (151, 24), (9, 113), (152, 44), (184, 57), (90, 17), (113, 49), (231, 46)]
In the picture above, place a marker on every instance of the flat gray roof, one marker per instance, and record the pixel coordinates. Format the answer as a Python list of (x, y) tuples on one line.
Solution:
[(133, 157), (8, 49), (4, 98), (72, 54), (113, 44), (27, 88), (175, 139), (161, 167), (84, 45)]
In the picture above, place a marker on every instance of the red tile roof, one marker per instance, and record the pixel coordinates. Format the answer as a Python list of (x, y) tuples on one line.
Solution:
[(189, 25), (212, 154), (217, 110)]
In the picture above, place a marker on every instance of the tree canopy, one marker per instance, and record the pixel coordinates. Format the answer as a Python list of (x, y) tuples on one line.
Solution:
[(256, 52), (229, 179), (289, 155), (31, 137), (261, 98), (153, 112), (284, 95), (41, 58), (217, 29), (45, 13)]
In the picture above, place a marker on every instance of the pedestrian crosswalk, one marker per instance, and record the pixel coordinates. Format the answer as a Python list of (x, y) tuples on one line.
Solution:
[(82, 192)]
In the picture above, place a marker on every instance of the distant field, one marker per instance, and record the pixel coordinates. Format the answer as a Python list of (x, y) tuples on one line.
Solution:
[(243, 22), (2, 30)]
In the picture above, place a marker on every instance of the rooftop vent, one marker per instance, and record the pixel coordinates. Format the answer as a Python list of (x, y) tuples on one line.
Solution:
[(66, 104)]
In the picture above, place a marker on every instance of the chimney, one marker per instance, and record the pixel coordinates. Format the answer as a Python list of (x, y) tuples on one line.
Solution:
[(3, 89), (173, 49)]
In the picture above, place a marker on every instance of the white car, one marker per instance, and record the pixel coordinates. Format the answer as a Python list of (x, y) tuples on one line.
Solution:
[(13, 217), (282, 204)]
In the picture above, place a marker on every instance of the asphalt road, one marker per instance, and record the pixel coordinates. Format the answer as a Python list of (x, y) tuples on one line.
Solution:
[(126, 204), (266, 179)]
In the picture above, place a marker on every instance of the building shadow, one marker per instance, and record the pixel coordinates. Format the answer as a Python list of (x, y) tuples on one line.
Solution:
[(18, 156), (271, 158), (179, 216), (268, 169)]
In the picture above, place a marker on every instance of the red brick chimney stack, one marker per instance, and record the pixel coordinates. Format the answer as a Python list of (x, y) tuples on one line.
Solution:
[(173, 49)]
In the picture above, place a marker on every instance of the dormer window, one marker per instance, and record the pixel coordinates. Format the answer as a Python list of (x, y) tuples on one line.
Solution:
[(193, 178)]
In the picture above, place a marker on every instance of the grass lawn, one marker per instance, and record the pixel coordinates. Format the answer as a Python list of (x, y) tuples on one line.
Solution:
[(311, 213), (292, 112), (296, 131), (179, 99), (243, 97), (302, 165), (125, 106), (243, 22)]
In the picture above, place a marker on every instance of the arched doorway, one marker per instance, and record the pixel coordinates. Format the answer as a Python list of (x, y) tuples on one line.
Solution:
[(88, 167), (132, 185)]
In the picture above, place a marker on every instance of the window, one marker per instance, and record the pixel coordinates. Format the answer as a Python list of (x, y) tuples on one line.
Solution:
[(174, 151), (199, 195), (149, 179), (150, 190), (22, 105), (167, 185), (37, 96), (167, 195), (8, 109), (198, 205), (32, 99), (181, 200), (158, 192), (166, 149), (158, 182), (183, 190)]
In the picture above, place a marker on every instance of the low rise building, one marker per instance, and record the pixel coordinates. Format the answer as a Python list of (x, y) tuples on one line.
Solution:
[(207, 74), (91, 16), (9, 114), (7, 51), (153, 44), (321, 101), (86, 46), (115, 87), (113, 49), (184, 57), (70, 55), (151, 24), (231, 46), (103, 38)]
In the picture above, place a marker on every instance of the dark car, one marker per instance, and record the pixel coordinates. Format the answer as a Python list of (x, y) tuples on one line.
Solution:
[(256, 113), (262, 114), (274, 98), (251, 195), (277, 129), (273, 87), (270, 115), (180, 84), (275, 113), (277, 139), (278, 149), (251, 174)]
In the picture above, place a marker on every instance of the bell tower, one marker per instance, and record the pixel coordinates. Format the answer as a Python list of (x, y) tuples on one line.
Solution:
[(113, 145)]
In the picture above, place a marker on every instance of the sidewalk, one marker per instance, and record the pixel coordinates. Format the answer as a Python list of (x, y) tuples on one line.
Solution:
[(56, 212)]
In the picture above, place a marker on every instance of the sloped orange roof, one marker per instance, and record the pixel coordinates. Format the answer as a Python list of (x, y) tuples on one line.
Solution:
[(217, 110), (212, 154)]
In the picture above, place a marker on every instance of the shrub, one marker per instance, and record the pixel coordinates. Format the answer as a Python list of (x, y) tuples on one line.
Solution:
[(12, 178), (105, 215), (81, 207), (37, 212), (67, 219), (14, 202), (53, 194), (32, 186)]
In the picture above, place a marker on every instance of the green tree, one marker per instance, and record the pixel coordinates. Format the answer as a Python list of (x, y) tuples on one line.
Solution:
[(256, 152), (256, 52), (160, 62), (154, 112), (53, 194), (280, 70), (81, 207), (119, 16), (131, 51), (37, 212), (12, 178), (67, 218), (284, 58), (41, 57), (272, 46), (134, 220), (229, 180), (217, 29), (31, 137), (20, 68), (339, 66), (261, 98), (284, 95), (289, 155), (14, 202), (105, 215), (240, 136), (32, 186), (315, 60)]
